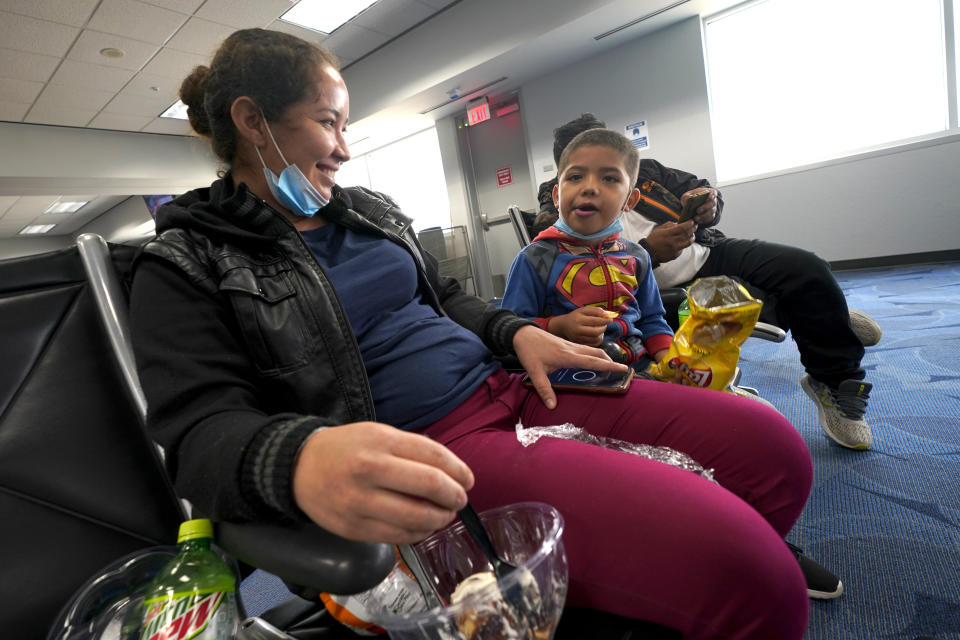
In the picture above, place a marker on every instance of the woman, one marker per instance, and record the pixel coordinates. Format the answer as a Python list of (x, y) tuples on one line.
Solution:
[(303, 360)]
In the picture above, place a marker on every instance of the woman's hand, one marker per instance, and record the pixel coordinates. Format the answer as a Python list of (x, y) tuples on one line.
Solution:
[(373, 482), (583, 325), (541, 352)]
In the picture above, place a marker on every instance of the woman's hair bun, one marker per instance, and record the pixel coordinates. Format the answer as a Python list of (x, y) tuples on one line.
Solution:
[(192, 92)]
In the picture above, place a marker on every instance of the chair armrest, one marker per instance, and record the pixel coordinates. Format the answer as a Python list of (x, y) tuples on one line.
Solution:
[(770, 332), (308, 556)]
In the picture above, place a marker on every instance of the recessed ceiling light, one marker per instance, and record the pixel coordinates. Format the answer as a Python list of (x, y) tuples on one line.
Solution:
[(112, 52), (37, 228), (324, 16), (177, 110), (64, 206)]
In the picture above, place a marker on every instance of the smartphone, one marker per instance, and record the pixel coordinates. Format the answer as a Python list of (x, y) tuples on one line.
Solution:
[(572, 379), (691, 205)]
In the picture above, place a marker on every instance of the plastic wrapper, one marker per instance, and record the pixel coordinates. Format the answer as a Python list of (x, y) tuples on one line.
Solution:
[(706, 347), (528, 435), (397, 594)]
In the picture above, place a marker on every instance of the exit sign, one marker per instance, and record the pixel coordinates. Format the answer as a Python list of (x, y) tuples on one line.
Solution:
[(478, 114)]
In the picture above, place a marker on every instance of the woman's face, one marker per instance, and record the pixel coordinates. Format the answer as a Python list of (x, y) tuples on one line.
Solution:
[(310, 133)]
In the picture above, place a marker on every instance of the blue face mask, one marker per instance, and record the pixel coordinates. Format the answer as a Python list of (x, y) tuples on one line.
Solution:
[(292, 189), (614, 227)]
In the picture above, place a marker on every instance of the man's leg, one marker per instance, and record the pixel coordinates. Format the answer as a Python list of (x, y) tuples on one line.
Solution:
[(811, 305)]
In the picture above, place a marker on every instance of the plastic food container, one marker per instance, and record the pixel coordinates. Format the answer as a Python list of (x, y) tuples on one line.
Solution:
[(527, 535)]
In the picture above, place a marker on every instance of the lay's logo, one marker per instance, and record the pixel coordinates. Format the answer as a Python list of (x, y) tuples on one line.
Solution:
[(700, 377), (180, 618)]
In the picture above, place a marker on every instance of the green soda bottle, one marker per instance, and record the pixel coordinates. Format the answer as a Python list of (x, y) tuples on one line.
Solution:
[(683, 312), (194, 596)]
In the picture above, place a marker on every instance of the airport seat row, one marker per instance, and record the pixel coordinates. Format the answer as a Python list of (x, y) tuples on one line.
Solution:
[(81, 483)]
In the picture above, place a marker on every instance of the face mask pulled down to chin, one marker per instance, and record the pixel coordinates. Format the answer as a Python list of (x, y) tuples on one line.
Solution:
[(291, 188)]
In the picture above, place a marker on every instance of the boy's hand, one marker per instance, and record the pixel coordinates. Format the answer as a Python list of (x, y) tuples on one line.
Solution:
[(540, 353), (584, 325)]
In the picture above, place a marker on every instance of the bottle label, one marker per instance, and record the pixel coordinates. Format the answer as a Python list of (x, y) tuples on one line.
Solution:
[(186, 616)]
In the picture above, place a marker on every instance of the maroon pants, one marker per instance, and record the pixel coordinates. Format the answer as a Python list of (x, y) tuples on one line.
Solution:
[(645, 539)]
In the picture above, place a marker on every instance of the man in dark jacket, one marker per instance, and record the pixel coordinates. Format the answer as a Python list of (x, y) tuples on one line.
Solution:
[(798, 289)]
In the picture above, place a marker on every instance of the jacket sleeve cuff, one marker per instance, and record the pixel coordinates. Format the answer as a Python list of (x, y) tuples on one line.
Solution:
[(658, 343), (501, 329), (266, 476), (654, 263)]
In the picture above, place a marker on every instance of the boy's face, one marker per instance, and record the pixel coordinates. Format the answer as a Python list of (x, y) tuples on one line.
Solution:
[(594, 189)]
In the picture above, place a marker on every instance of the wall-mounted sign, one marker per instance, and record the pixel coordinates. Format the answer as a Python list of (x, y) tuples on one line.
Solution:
[(637, 132), (479, 113), (504, 177)]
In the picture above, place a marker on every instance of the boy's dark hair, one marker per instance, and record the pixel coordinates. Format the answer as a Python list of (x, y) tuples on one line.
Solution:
[(604, 138), (563, 134)]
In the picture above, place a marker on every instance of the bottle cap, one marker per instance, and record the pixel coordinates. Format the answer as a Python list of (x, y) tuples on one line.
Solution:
[(193, 529)]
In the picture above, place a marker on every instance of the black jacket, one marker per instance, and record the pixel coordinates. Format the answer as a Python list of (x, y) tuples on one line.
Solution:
[(660, 191), (244, 349)]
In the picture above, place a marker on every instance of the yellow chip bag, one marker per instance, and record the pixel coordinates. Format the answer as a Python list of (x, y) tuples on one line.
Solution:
[(706, 347)]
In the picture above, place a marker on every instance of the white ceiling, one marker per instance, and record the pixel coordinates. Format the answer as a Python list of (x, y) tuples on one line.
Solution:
[(52, 71), (401, 60)]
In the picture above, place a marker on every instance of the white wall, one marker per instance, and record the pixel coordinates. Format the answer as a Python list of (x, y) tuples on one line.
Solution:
[(880, 204), (58, 159), (25, 246), (128, 222), (659, 78), (891, 204)]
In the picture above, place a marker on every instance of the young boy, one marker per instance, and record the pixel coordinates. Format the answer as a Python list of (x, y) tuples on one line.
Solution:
[(578, 279)]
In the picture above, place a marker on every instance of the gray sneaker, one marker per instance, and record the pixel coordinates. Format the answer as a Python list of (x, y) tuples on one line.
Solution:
[(866, 328), (841, 411)]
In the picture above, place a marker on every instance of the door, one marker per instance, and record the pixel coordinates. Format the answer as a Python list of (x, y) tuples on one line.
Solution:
[(496, 152)]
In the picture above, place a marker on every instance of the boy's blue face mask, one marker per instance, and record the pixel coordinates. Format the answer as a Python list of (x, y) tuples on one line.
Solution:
[(614, 227), (291, 188)]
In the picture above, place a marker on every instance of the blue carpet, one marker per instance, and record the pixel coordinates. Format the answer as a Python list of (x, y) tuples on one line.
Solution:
[(885, 520)]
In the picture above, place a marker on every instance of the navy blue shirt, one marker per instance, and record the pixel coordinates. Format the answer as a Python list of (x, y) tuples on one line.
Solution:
[(421, 365)]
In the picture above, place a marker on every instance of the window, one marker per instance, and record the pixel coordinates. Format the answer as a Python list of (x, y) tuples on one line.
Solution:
[(794, 82), (411, 172)]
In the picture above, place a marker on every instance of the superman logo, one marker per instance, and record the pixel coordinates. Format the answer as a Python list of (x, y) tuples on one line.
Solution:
[(584, 282)]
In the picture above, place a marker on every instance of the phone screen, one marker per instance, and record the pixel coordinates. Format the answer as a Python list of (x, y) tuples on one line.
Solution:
[(589, 380)]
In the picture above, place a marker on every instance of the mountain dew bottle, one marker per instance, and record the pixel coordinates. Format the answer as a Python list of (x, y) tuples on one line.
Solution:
[(194, 596), (683, 311)]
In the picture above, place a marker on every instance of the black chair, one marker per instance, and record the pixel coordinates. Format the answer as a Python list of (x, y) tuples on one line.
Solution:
[(81, 483), (521, 221)]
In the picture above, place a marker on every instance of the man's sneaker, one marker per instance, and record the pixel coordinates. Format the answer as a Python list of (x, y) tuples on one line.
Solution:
[(866, 328), (822, 584), (841, 411)]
